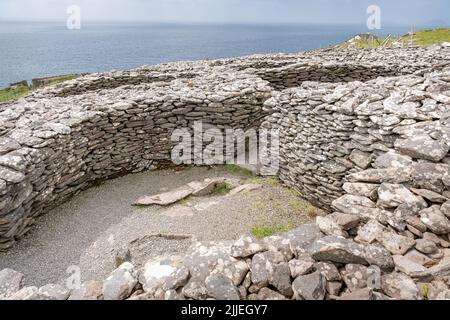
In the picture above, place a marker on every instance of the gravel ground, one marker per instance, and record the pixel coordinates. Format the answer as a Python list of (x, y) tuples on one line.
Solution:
[(87, 230)]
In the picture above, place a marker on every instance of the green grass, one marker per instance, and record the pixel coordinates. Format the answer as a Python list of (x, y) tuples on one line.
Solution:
[(261, 231), (223, 189), (11, 94), (419, 38), (238, 171)]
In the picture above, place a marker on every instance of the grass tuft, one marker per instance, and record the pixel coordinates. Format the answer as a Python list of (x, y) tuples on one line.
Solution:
[(263, 230), (238, 171)]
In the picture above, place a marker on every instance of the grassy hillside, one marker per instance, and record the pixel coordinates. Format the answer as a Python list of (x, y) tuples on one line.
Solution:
[(419, 38), (17, 92)]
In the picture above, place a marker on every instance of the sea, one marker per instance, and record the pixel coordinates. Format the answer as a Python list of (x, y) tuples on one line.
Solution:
[(37, 49)]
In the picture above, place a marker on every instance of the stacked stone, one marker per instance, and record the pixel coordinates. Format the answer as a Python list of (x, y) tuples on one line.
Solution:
[(53, 147), (330, 130), (58, 141)]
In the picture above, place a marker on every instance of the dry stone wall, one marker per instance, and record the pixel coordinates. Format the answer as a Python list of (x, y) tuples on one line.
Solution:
[(329, 131), (374, 152), (58, 141)]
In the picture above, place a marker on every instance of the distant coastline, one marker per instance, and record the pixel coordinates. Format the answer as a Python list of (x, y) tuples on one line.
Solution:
[(368, 40), (45, 49)]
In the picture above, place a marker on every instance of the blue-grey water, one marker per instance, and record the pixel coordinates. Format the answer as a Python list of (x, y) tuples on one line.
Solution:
[(30, 50)]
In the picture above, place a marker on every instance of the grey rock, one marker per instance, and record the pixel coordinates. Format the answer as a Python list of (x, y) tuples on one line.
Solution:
[(220, 287), (54, 292), (10, 282), (423, 147), (280, 279), (361, 159), (300, 267), (330, 227), (91, 290), (355, 276), (300, 238), (246, 246), (435, 220), (367, 190), (359, 295), (393, 195), (429, 195), (426, 246), (391, 159), (445, 209), (268, 294), (370, 232), (120, 284), (310, 287), (328, 270), (396, 244), (162, 271), (399, 286)]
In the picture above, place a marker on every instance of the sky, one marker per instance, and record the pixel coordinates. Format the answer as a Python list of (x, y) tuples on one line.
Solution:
[(406, 12)]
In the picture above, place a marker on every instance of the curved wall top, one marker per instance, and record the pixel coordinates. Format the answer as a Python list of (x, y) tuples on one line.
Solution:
[(57, 141)]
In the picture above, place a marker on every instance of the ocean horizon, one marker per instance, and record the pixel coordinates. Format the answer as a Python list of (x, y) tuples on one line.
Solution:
[(38, 49)]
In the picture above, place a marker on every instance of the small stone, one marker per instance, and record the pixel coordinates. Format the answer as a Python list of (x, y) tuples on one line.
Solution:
[(430, 195), (91, 290), (396, 244), (54, 292), (246, 246), (391, 159), (330, 227), (280, 279), (416, 223), (417, 257), (268, 294), (26, 294), (161, 271), (361, 159), (360, 294), (370, 232), (263, 265), (355, 276), (445, 209), (346, 221), (407, 266), (120, 284), (435, 220), (399, 286), (423, 147), (302, 237), (220, 287), (338, 250), (10, 282), (426, 246), (172, 295), (334, 287), (367, 190), (310, 287), (393, 195), (300, 267), (328, 270)]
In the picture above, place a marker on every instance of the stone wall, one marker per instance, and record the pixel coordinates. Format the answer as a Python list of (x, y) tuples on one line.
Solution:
[(58, 141), (329, 131), (52, 148)]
